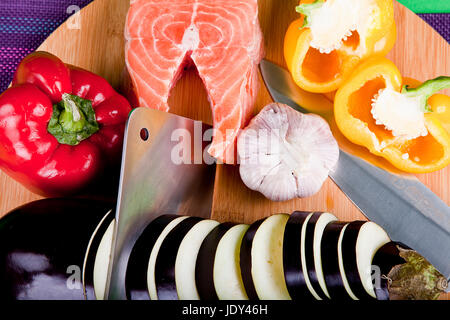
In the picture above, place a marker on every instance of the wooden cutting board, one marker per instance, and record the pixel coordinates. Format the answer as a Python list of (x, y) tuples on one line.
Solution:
[(94, 40)]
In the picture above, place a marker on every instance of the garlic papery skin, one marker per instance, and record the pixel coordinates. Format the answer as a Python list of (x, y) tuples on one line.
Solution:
[(333, 22), (401, 114), (285, 154)]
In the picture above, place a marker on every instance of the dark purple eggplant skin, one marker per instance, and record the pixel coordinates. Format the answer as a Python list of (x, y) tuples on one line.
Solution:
[(386, 258), (204, 267), (165, 261), (246, 260), (292, 263), (42, 248), (136, 275), (330, 261), (309, 254)]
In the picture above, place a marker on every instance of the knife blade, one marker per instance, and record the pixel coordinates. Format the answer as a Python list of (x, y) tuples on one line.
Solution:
[(154, 181), (408, 211)]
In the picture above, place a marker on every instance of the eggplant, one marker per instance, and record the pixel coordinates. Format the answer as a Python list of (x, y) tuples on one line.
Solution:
[(292, 261), (186, 260), (43, 247), (166, 254), (102, 261), (137, 268), (320, 225), (266, 256), (204, 267), (386, 258), (245, 259), (307, 255), (96, 260), (228, 282), (151, 281), (403, 274), (360, 242), (341, 265), (330, 261)]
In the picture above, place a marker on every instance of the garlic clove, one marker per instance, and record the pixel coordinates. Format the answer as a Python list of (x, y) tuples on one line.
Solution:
[(285, 154)]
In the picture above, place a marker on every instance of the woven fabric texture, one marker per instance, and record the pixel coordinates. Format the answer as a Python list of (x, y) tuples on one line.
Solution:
[(25, 24)]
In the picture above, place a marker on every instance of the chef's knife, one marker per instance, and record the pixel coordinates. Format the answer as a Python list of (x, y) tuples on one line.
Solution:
[(402, 205)]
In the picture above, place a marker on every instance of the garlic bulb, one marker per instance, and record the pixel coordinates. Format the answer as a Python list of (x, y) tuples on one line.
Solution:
[(285, 154)]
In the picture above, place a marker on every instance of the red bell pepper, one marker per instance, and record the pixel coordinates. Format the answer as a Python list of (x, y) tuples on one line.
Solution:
[(60, 126)]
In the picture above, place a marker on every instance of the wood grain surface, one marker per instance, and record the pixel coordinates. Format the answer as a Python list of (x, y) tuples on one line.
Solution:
[(98, 45)]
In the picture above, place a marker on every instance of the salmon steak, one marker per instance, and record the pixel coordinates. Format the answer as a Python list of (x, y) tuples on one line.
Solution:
[(222, 38)]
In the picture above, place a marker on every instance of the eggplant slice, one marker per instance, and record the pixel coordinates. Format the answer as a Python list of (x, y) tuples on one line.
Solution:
[(204, 268), (292, 262), (228, 282), (330, 261), (307, 255), (371, 238), (43, 248), (360, 242), (321, 224), (245, 260), (267, 259), (102, 259), (151, 280), (136, 276), (91, 254), (165, 255), (186, 260)]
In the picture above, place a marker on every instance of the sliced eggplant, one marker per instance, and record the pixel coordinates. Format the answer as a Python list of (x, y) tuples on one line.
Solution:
[(267, 259), (245, 260), (151, 283), (185, 263), (204, 268), (330, 261), (371, 238), (228, 282), (102, 259), (321, 224), (341, 265), (292, 262), (91, 254), (136, 276), (307, 255), (43, 248), (164, 275), (360, 242)]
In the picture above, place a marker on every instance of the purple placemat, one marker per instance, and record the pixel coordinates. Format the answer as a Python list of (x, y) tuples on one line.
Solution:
[(25, 24)]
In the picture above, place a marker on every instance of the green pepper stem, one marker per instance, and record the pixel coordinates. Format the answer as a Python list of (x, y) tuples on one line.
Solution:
[(73, 120), (306, 9), (71, 107), (428, 88)]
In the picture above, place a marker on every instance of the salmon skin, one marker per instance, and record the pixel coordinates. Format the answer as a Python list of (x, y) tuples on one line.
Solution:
[(222, 38)]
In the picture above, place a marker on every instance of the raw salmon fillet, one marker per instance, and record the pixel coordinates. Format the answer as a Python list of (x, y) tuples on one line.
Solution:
[(221, 37)]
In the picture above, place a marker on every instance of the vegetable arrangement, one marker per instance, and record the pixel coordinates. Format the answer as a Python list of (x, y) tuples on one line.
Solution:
[(60, 126), (305, 255)]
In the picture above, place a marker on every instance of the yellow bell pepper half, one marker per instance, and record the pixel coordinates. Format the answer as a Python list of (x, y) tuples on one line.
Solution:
[(353, 113), (321, 72)]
